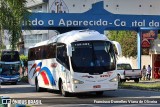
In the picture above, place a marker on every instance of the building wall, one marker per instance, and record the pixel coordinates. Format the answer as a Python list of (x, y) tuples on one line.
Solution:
[(145, 60), (155, 49), (33, 3), (130, 60), (140, 7), (32, 37)]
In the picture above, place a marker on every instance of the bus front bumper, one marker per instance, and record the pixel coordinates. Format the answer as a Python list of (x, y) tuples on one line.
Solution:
[(9, 80), (78, 88)]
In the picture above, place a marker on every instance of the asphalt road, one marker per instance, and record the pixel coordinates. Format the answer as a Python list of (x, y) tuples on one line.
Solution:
[(118, 98)]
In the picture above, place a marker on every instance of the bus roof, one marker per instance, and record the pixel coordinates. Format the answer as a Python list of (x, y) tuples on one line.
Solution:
[(78, 35), (75, 35)]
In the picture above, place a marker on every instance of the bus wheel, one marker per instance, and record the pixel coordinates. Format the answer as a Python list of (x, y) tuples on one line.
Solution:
[(136, 80), (15, 83), (38, 89), (99, 93), (119, 78), (64, 93)]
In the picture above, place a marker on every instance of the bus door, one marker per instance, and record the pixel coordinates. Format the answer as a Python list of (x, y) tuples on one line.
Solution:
[(63, 61)]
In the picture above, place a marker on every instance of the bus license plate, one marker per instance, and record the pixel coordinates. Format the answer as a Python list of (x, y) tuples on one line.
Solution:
[(97, 86)]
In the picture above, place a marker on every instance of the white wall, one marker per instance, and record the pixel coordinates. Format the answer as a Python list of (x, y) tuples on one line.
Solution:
[(145, 60), (128, 60), (31, 3), (140, 7)]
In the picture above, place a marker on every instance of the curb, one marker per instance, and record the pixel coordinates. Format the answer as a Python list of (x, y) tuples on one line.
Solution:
[(139, 88)]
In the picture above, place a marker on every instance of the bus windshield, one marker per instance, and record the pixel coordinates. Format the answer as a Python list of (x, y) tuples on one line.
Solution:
[(9, 69), (93, 57), (10, 56)]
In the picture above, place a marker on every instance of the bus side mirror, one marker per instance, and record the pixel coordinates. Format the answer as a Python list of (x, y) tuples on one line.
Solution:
[(118, 47), (69, 50)]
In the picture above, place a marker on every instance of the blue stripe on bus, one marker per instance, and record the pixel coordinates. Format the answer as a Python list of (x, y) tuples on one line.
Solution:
[(39, 64), (48, 72)]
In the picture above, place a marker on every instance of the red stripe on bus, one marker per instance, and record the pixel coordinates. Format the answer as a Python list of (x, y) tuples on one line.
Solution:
[(38, 69), (45, 79), (33, 67)]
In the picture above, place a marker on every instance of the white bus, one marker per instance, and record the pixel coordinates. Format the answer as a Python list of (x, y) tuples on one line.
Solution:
[(74, 62)]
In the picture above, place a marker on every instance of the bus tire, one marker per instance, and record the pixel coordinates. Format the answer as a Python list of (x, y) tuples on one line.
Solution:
[(123, 80), (99, 93), (38, 89), (136, 80), (14, 83), (119, 78), (63, 93)]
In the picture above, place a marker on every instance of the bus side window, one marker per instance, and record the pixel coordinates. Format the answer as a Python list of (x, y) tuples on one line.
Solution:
[(36, 53), (51, 51), (62, 55), (43, 52), (31, 54), (47, 52), (54, 51)]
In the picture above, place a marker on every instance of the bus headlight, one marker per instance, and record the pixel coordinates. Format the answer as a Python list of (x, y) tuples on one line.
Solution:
[(115, 79), (75, 81)]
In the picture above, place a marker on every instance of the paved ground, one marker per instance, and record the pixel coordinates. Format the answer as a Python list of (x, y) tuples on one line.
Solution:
[(146, 81), (54, 99)]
